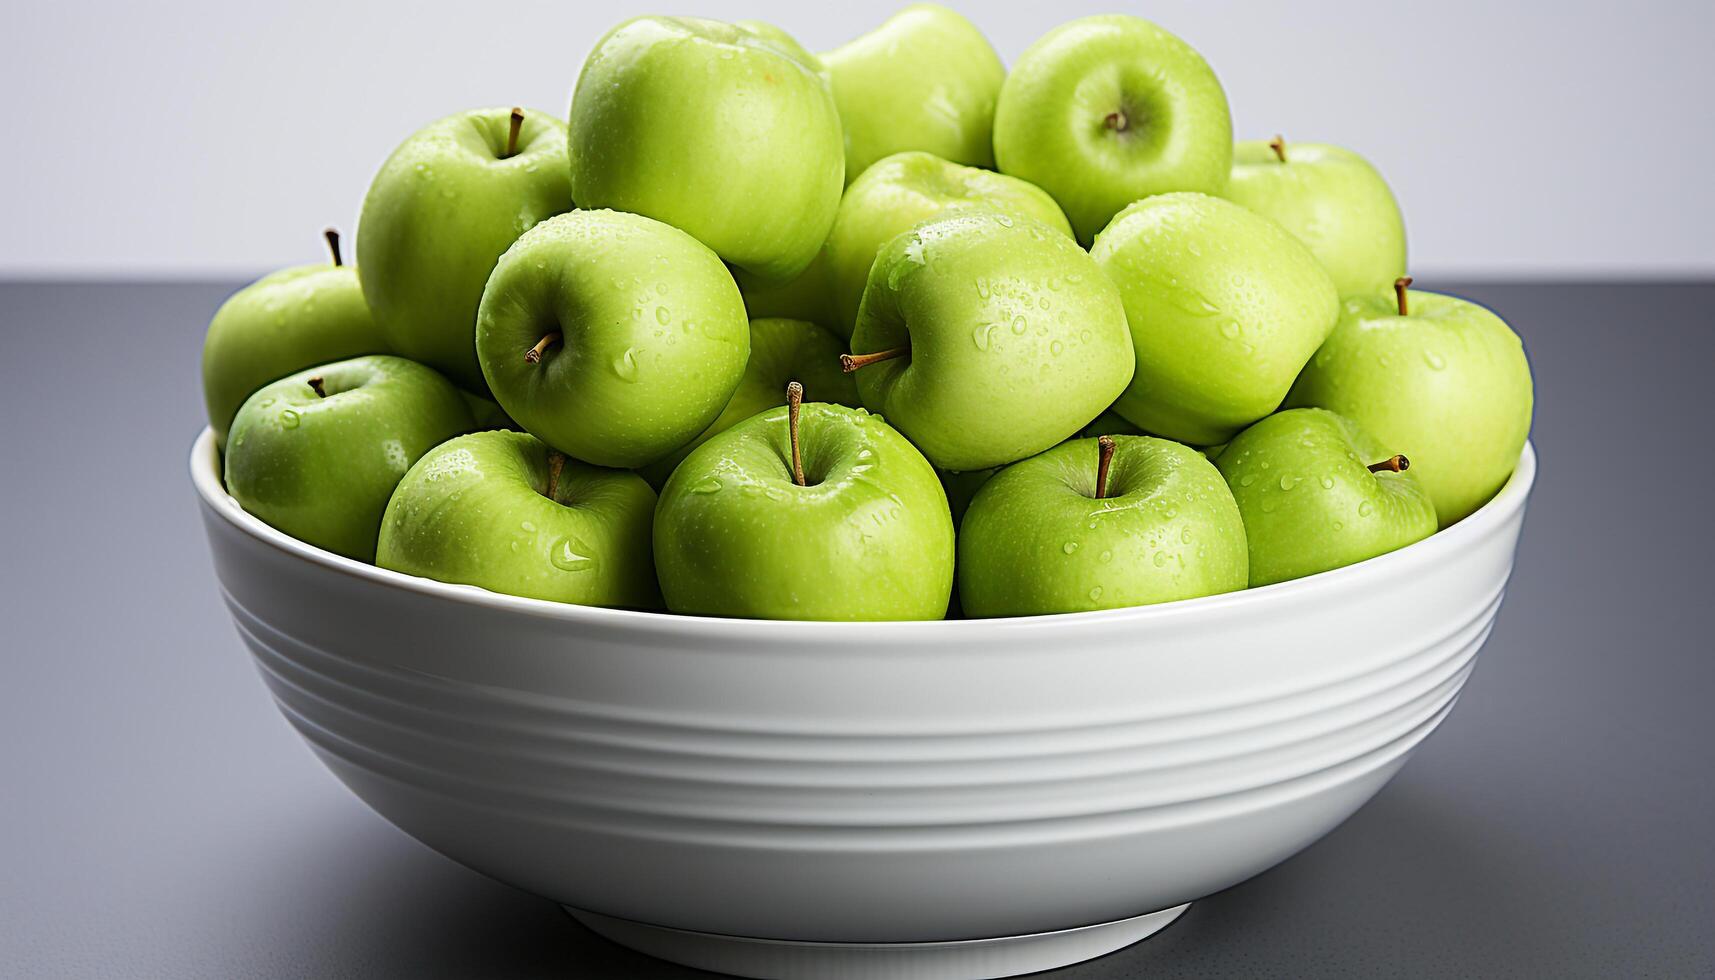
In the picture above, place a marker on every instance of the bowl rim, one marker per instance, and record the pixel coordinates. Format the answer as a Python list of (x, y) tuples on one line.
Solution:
[(1500, 509)]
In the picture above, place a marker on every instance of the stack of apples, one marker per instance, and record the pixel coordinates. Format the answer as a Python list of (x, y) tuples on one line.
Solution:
[(869, 335)]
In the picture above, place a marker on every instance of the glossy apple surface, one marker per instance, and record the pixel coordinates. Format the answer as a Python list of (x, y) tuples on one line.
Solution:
[(436, 218), (492, 509), (1333, 201), (719, 129), (867, 537), (284, 322), (1012, 338), (781, 351), (1310, 500), (926, 79), (902, 190), (1447, 384), (1224, 308), (321, 464), (612, 337), (1108, 109), (1038, 539)]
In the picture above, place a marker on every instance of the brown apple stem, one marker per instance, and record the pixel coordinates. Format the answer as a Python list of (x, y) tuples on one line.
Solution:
[(534, 354), (794, 399), (851, 362), (1117, 121), (1400, 285), (1278, 145), (1105, 456), (556, 463), (1393, 464), (332, 236), (315, 384), (512, 132)]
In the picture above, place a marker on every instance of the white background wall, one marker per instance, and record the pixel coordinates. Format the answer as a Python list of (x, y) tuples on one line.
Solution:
[(184, 139)]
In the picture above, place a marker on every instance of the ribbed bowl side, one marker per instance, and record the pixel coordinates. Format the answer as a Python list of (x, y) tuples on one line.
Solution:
[(864, 783)]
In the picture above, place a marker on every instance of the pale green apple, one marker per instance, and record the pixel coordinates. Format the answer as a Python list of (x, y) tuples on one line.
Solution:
[(1318, 492), (1435, 377), (1055, 534), (1224, 307), (1105, 110), (318, 453), (987, 338), (502, 511), (1333, 201), (612, 337), (445, 205), (781, 351), (865, 535), (926, 79), (901, 191), (721, 130), (283, 322)]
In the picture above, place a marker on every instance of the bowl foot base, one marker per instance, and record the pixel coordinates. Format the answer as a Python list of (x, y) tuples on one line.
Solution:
[(975, 959)]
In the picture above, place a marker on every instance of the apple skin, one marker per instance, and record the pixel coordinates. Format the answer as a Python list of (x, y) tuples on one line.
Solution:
[(720, 130), (1077, 117), (926, 79), (903, 190), (781, 351), (1224, 307), (321, 469), (1449, 386), (807, 297), (1309, 501), (475, 511), (438, 215), (1036, 539), (284, 322), (868, 538), (1017, 340), (1333, 201), (653, 336)]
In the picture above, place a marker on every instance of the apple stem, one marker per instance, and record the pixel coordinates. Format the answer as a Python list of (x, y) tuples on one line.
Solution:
[(332, 236), (1104, 456), (851, 362), (1393, 464), (794, 399), (534, 354), (1399, 287), (514, 126), (1117, 121), (315, 384), (1278, 145), (556, 463)]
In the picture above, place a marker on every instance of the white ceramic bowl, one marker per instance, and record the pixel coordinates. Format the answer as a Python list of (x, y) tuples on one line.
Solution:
[(959, 799)]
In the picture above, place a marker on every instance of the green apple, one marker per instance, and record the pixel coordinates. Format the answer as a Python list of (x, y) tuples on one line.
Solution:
[(612, 337), (502, 511), (316, 454), (1333, 201), (1105, 110), (1224, 306), (1435, 377), (722, 130), (825, 513), (445, 205), (283, 322), (1318, 492), (987, 338), (926, 80), (781, 351), (901, 191), (1100, 524)]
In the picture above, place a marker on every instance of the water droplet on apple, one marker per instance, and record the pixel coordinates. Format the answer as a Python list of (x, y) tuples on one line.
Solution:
[(1095, 593), (982, 289), (289, 419), (663, 315), (1327, 483), (1019, 324), (1185, 536), (1161, 559), (527, 527), (1084, 335), (1003, 220), (625, 365), (1069, 547), (980, 336), (568, 555), (1435, 361), (1365, 509), (1055, 348), (1230, 330), (1247, 479), (1287, 481), (1106, 556), (1339, 525)]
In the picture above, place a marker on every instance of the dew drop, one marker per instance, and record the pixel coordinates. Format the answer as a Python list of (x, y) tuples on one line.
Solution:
[(1069, 547), (981, 335), (1161, 559), (289, 419), (1365, 509), (1327, 483), (1056, 348), (567, 554), (1095, 593), (625, 365), (1287, 482), (663, 315), (1019, 324)]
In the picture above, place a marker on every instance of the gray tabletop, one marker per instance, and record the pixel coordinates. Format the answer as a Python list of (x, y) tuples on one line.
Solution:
[(159, 819)]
